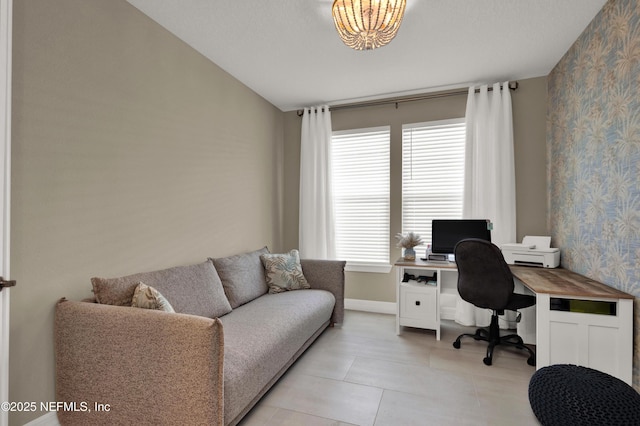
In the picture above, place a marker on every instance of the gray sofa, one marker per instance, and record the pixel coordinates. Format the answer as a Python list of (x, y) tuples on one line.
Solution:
[(209, 363)]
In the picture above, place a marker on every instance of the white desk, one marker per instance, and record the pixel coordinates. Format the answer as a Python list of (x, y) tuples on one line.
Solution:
[(576, 320)]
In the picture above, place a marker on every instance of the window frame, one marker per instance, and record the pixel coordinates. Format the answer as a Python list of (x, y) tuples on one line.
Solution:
[(382, 266), (458, 170)]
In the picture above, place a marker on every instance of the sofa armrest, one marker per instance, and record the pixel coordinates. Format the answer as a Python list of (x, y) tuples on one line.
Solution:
[(327, 275), (144, 366)]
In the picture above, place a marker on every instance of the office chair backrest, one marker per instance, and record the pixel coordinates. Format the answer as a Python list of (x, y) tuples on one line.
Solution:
[(484, 278)]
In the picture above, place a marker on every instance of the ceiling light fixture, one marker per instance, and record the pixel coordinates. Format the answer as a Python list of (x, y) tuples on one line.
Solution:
[(367, 24)]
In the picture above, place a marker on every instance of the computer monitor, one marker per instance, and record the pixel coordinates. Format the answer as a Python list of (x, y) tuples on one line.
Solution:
[(445, 233)]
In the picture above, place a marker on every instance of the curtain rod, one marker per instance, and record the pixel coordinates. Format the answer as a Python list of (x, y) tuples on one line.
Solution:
[(513, 85)]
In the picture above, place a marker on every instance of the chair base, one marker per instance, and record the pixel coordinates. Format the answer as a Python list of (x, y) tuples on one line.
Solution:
[(492, 336)]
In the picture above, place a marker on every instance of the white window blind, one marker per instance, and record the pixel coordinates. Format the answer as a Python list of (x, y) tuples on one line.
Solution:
[(360, 173), (432, 174)]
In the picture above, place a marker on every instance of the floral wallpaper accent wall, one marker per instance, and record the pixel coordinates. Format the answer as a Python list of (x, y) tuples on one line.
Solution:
[(593, 143)]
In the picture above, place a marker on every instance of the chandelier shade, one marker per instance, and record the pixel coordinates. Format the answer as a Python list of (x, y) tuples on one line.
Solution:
[(367, 24)]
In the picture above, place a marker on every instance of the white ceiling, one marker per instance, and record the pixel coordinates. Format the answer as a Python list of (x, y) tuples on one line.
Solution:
[(288, 51)]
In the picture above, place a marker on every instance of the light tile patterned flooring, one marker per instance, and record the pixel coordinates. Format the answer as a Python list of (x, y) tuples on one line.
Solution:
[(362, 373)]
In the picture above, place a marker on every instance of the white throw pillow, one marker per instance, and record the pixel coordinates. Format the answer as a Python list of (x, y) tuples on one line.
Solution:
[(147, 297)]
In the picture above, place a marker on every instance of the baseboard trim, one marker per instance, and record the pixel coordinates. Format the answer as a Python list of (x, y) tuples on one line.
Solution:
[(49, 419), (370, 306)]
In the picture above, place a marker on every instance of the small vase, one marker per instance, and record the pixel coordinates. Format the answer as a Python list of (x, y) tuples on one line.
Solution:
[(409, 254)]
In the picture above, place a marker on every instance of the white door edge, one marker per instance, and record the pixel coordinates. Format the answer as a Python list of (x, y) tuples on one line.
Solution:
[(6, 16)]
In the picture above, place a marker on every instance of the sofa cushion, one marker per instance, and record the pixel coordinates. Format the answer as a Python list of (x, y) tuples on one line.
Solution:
[(242, 276), (263, 336), (283, 272), (147, 297), (194, 289)]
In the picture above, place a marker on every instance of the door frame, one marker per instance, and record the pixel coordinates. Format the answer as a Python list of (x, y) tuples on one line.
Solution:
[(6, 18)]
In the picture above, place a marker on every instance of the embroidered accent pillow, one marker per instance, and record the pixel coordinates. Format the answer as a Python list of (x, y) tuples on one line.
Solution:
[(147, 297), (283, 272)]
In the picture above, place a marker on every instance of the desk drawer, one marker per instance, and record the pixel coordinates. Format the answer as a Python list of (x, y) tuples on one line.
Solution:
[(419, 303)]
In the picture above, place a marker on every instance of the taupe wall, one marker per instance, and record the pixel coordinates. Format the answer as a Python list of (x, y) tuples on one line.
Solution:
[(131, 152), (529, 115)]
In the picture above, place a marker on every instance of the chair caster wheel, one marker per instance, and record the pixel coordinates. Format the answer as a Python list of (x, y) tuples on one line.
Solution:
[(531, 361), (456, 344), (487, 361)]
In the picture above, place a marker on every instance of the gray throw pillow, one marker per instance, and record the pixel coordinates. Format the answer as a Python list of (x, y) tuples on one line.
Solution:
[(194, 289), (242, 276), (283, 272)]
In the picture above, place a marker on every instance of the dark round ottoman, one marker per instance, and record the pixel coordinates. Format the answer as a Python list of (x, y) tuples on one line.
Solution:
[(565, 394)]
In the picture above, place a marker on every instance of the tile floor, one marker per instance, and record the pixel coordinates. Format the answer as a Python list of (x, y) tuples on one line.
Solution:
[(362, 373)]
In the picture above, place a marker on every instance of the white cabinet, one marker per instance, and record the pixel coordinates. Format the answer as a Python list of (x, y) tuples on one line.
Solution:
[(418, 298), (595, 337), (579, 321), (419, 305)]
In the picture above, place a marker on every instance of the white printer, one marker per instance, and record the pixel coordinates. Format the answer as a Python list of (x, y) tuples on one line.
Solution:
[(533, 251)]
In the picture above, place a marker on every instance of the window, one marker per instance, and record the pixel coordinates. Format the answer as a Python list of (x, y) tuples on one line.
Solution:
[(432, 174), (360, 179)]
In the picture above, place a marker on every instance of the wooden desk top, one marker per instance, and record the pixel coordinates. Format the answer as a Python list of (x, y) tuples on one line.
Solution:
[(556, 281), (564, 282)]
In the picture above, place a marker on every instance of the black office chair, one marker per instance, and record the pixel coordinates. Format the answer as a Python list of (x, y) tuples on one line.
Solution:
[(485, 280)]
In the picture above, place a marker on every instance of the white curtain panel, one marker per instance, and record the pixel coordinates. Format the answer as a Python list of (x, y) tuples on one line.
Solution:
[(316, 226), (489, 180)]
